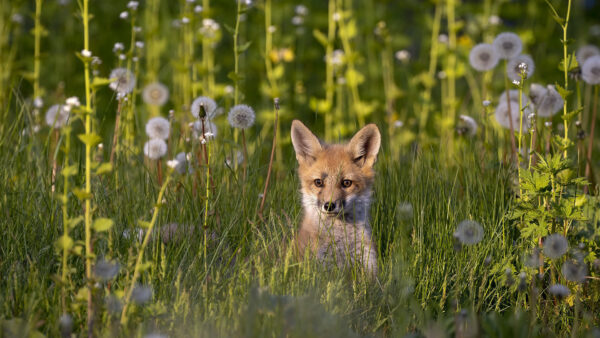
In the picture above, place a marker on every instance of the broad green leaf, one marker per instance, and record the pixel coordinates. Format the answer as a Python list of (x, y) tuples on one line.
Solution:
[(64, 242), (320, 37), (244, 47), (91, 140), (144, 224), (354, 77), (73, 222), (69, 171), (104, 168), (102, 224), (100, 81), (564, 93), (81, 194)]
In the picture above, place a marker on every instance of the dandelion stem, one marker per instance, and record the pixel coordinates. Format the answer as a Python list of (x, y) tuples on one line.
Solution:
[(138, 263), (264, 197), (433, 58), (37, 55), (245, 161), (591, 140), (510, 119), (65, 217), (236, 54), (113, 150), (566, 73)]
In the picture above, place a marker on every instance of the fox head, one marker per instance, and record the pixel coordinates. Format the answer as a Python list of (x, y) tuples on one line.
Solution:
[(336, 179)]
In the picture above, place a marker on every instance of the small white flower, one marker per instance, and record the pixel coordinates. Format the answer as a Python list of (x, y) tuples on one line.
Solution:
[(124, 15), (122, 57), (173, 163), (17, 18), (512, 68), (203, 140), (86, 53), (272, 29), (137, 29), (133, 5), (486, 103), (185, 20), (443, 38), (139, 44), (402, 55), (516, 82), (135, 59), (301, 10), (228, 90), (336, 16), (494, 20), (523, 66), (118, 47), (297, 20), (198, 9), (38, 102), (73, 101), (398, 124)]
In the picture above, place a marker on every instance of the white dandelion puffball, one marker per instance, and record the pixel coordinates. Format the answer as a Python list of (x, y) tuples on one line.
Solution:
[(503, 116), (210, 129), (158, 127), (469, 232), (123, 80), (210, 106), (182, 166), (514, 71), (155, 148), (586, 52), (590, 71), (241, 116), (551, 103), (156, 94), (537, 93), (513, 96), (483, 57), (559, 290), (574, 271), (508, 45), (106, 270), (469, 125), (57, 116), (555, 246)]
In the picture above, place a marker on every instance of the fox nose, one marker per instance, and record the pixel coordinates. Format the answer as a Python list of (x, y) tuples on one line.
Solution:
[(329, 206)]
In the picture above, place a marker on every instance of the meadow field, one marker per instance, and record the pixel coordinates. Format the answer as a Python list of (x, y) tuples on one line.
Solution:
[(149, 186)]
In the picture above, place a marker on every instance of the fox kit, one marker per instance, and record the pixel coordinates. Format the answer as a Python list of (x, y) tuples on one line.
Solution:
[(336, 185)]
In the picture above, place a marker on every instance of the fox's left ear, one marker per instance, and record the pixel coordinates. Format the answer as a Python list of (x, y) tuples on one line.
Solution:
[(364, 146)]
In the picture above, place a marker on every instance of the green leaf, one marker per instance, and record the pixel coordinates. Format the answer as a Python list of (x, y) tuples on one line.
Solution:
[(564, 93), (354, 77), (104, 168), (64, 242), (91, 140), (73, 222), (100, 81), (144, 224), (571, 63), (81, 194), (145, 266), (69, 171), (571, 115), (320, 37), (102, 224), (244, 47)]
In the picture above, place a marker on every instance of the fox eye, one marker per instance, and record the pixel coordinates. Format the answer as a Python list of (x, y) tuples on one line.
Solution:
[(346, 183), (318, 182)]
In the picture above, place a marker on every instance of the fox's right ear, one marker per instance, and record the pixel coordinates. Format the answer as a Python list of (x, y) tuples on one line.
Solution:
[(306, 144)]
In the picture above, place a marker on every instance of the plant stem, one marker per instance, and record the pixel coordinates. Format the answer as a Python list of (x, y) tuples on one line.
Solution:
[(566, 74), (433, 58), (147, 236), (451, 101), (510, 119), (329, 69), (264, 197), (37, 55), (65, 217), (591, 139), (236, 55), (113, 150)]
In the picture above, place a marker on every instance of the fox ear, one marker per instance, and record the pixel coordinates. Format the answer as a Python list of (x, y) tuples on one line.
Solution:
[(364, 146), (306, 144)]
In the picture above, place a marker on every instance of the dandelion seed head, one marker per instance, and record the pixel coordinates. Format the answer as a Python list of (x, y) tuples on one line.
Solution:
[(155, 148), (113, 305), (513, 96), (590, 71), (17, 18), (297, 20), (443, 38), (209, 128), (182, 165), (210, 106), (483, 57), (533, 260), (586, 52), (65, 323), (537, 93), (468, 126), (141, 294), (512, 68), (241, 116), (555, 246), (123, 80), (57, 116), (469, 232), (551, 103), (505, 112), (508, 45), (155, 93), (574, 271), (106, 270), (158, 127), (559, 290)]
